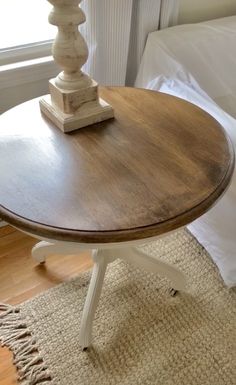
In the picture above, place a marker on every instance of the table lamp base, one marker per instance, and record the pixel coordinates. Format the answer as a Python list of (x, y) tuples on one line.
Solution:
[(90, 113)]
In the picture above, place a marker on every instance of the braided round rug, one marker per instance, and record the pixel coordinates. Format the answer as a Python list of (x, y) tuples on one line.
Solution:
[(142, 335)]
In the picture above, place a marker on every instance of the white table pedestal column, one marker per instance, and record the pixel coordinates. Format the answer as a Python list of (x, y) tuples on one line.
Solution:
[(103, 255)]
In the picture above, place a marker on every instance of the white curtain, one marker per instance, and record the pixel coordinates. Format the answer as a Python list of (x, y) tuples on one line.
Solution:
[(116, 33)]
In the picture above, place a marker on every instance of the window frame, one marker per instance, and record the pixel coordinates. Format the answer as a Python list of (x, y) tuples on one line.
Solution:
[(25, 52)]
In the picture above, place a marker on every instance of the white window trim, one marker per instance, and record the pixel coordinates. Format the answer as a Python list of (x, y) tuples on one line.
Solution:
[(27, 71), (25, 52), (26, 64)]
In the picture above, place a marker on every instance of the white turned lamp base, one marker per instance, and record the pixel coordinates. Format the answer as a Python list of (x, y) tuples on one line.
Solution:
[(89, 113), (73, 101)]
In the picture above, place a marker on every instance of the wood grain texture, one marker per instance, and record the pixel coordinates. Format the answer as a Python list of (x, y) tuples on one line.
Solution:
[(21, 278), (158, 165)]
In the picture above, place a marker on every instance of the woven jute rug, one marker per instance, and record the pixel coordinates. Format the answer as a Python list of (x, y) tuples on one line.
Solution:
[(142, 335)]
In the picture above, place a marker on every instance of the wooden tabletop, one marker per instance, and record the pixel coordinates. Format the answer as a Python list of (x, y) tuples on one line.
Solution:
[(158, 165)]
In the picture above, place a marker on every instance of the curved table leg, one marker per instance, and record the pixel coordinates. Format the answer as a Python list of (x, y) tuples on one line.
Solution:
[(92, 298), (150, 263), (43, 249), (102, 257), (139, 258)]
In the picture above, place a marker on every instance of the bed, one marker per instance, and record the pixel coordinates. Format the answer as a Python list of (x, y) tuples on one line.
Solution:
[(197, 62)]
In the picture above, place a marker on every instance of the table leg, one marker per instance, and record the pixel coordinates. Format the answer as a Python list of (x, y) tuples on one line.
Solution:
[(92, 298), (41, 250), (141, 259), (44, 248), (102, 257), (134, 256)]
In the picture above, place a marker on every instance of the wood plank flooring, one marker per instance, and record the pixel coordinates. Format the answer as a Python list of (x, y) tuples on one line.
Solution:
[(21, 278)]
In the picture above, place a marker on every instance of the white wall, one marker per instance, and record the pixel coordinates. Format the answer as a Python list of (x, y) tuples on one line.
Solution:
[(192, 11)]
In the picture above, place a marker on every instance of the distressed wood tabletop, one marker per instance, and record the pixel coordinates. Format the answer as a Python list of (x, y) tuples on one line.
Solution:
[(158, 165)]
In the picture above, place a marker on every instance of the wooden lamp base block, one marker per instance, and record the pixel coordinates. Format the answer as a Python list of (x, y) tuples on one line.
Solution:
[(90, 113)]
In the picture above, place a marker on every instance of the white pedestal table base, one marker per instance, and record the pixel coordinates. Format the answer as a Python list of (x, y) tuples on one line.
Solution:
[(103, 255)]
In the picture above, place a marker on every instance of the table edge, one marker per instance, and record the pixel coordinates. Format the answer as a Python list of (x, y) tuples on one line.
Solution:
[(83, 236)]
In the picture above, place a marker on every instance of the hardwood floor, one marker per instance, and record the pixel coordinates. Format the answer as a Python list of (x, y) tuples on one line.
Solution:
[(21, 278)]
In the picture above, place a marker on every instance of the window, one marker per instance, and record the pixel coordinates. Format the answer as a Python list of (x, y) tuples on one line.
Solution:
[(24, 30)]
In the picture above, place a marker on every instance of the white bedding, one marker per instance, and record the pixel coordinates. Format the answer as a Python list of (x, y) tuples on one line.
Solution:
[(198, 63)]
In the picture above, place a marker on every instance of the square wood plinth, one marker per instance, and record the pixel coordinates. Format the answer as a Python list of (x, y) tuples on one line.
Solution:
[(89, 113)]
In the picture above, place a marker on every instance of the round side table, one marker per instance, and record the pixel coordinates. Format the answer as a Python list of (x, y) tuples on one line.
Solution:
[(158, 165)]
